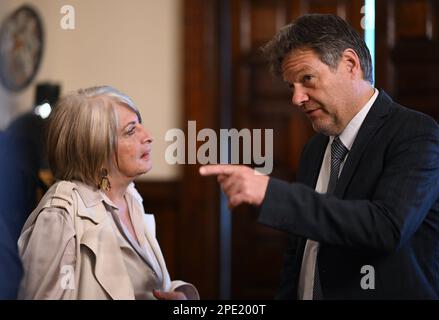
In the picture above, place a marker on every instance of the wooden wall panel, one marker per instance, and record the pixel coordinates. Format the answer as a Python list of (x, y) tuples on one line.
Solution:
[(265, 18), (408, 53), (329, 7), (198, 220), (163, 199), (433, 10), (349, 10), (412, 19)]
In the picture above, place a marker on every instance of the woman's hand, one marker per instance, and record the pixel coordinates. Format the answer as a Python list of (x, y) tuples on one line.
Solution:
[(169, 295)]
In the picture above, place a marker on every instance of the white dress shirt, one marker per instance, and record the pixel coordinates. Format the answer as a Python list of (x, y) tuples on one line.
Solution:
[(347, 137)]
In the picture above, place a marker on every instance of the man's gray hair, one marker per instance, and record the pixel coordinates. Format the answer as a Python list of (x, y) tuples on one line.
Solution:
[(327, 35)]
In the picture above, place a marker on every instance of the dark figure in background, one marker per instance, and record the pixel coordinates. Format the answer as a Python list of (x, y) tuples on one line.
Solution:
[(30, 129), (10, 264), (18, 182), (17, 197), (23, 163)]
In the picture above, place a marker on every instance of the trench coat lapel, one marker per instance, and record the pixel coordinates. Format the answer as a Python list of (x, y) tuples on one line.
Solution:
[(109, 269), (159, 261)]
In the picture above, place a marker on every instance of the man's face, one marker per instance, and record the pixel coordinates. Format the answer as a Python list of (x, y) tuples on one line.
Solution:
[(322, 93)]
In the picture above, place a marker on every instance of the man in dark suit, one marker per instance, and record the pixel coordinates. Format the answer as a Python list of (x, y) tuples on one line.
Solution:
[(366, 204)]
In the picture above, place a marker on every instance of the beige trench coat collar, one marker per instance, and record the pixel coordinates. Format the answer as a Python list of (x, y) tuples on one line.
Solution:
[(100, 239)]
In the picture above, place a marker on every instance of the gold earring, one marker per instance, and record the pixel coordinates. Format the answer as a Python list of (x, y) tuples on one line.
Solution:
[(104, 183)]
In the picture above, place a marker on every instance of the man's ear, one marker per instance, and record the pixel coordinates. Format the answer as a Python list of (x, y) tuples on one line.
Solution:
[(352, 63)]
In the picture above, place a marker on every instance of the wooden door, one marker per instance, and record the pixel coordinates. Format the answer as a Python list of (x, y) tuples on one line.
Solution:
[(261, 101), (408, 52)]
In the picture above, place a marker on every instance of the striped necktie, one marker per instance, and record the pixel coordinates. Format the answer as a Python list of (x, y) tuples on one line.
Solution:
[(338, 153)]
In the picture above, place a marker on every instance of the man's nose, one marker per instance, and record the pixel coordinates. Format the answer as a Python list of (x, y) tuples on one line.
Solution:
[(299, 96)]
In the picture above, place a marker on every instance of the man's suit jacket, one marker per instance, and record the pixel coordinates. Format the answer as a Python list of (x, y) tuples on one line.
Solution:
[(384, 211)]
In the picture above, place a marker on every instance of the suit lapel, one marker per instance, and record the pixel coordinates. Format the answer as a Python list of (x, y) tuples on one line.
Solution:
[(373, 121), (308, 175), (309, 171)]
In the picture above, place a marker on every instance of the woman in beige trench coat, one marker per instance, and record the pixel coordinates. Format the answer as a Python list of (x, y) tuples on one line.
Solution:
[(89, 237)]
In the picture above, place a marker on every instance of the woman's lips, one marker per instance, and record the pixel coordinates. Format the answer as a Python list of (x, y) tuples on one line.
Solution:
[(146, 155)]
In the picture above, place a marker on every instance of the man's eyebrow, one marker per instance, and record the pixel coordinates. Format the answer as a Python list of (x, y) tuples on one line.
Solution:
[(301, 71), (305, 69)]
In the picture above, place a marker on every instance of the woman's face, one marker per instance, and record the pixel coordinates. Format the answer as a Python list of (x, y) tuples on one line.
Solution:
[(134, 144)]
